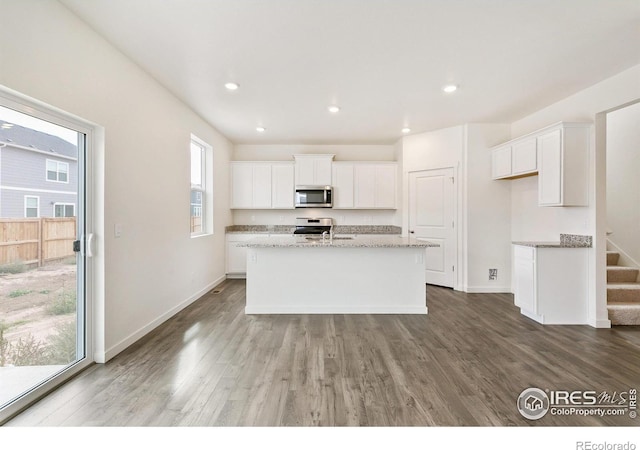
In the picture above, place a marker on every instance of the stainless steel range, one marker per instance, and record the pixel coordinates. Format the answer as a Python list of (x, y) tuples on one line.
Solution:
[(314, 225)]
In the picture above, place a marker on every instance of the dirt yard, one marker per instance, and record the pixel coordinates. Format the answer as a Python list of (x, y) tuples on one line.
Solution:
[(27, 300)]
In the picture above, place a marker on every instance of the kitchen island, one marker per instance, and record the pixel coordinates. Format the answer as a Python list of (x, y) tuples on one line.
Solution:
[(363, 275)]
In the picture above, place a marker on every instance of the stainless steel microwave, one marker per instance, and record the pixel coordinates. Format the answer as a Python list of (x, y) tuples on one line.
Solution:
[(314, 197)]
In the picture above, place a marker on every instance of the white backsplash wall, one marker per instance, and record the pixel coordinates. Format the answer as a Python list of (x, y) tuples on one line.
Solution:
[(340, 216)]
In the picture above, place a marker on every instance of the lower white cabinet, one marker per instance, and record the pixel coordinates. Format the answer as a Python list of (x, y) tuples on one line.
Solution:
[(551, 284), (236, 264)]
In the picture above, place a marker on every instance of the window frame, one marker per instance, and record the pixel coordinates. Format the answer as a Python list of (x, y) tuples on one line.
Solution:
[(26, 207), (58, 163), (65, 205), (204, 187)]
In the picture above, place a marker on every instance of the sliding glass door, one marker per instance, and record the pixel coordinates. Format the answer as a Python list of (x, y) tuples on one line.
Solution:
[(44, 245)]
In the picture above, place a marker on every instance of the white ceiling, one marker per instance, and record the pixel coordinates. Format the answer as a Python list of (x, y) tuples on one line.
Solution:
[(383, 62)]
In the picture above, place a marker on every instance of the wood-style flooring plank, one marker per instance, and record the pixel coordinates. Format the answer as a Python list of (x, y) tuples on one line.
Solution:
[(463, 364)]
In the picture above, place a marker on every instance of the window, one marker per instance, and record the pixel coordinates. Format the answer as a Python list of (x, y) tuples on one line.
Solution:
[(200, 199), (31, 206), (64, 210), (57, 171)]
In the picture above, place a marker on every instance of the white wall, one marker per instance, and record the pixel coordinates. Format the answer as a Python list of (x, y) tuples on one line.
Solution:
[(623, 179), (530, 222), (487, 209), (254, 152), (155, 268)]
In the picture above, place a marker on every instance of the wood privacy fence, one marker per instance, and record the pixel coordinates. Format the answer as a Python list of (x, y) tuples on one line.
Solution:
[(36, 241)]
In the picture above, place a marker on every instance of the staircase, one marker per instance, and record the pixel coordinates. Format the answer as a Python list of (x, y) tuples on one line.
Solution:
[(623, 292)]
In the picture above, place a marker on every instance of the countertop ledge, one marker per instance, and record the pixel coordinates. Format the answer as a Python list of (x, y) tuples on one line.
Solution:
[(566, 241), (358, 242), (289, 229)]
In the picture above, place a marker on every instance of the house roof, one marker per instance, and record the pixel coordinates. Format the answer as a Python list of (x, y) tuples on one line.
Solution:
[(26, 137)]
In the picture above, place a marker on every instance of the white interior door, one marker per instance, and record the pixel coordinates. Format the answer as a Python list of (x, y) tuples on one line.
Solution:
[(432, 218)]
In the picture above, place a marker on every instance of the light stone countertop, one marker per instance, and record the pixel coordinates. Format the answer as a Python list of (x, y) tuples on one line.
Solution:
[(289, 229), (357, 242), (566, 241)]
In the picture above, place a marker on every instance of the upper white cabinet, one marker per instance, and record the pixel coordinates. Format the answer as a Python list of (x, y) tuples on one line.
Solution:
[(262, 185), (375, 185), (343, 184), (514, 159), (282, 185), (563, 158), (501, 162), (313, 170), (559, 154), (356, 184)]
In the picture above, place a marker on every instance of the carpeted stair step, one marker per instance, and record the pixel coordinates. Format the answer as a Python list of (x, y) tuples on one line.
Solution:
[(624, 313), (612, 258), (623, 293), (620, 274)]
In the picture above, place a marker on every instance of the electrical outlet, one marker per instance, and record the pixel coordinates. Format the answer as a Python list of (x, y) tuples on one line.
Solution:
[(493, 274)]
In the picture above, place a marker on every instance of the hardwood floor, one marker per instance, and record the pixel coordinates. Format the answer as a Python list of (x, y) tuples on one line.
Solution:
[(465, 363)]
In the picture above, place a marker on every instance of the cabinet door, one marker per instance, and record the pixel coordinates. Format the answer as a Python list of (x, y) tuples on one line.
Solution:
[(305, 171), (261, 186), (386, 186), (524, 157), (343, 185), (241, 185), (501, 162), (282, 183), (322, 172), (365, 186), (236, 258), (524, 283), (550, 169)]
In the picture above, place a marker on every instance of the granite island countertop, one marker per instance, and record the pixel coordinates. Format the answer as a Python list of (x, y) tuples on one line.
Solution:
[(337, 242), (289, 229), (566, 241)]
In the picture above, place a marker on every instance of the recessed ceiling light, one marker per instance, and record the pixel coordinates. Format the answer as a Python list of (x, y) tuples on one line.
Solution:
[(231, 86), (406, 130), (450, 88), (334, 109), (261, 129)]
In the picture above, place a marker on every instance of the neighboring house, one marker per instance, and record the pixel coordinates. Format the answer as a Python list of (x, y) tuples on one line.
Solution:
[(38, 174)]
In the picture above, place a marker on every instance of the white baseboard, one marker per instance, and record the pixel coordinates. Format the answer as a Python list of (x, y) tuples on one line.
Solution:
[(132, 338), (487, 289), (604, 323)]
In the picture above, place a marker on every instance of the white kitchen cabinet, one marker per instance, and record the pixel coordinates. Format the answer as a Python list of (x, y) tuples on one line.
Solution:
[(501, 162), (515, 159), (313, 170), (375, 185), (524, 158), (262, 185), (282, 185), (551, 284), (558, 154), (236, 262), (563, 158), (343, 185)]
